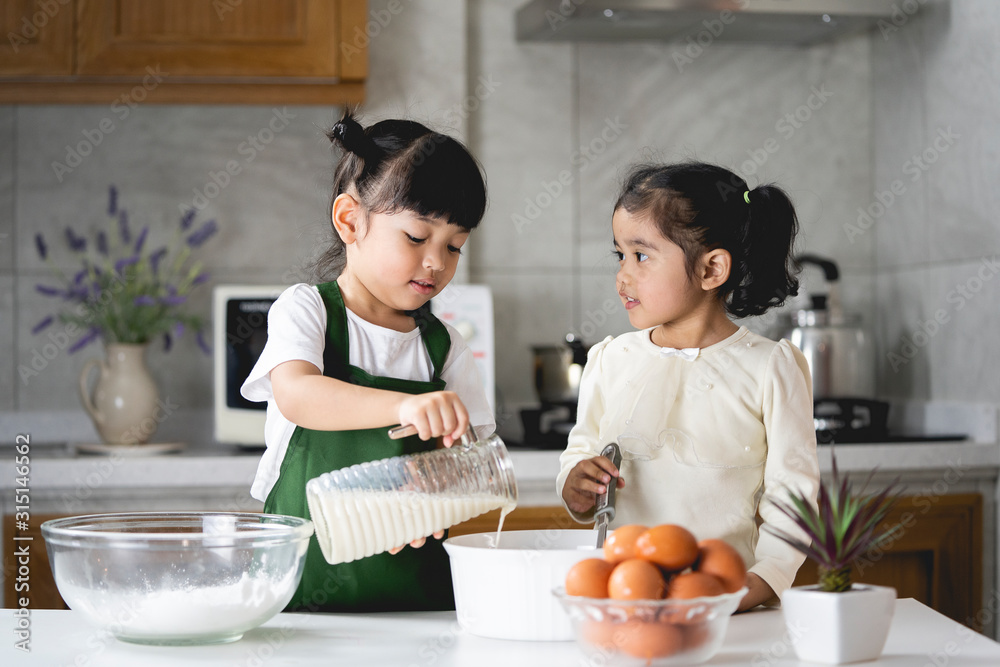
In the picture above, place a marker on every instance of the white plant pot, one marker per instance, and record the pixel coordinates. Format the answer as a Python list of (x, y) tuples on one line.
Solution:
[(838, 628)]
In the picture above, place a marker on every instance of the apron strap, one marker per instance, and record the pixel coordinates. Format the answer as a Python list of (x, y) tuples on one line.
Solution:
[(336, 352)]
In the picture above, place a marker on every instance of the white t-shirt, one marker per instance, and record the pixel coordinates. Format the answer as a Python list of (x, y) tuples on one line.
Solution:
[(706, 443), (296, 329)]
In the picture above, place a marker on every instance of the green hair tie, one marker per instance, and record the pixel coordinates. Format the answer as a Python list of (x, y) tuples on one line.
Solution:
[(746, 196)]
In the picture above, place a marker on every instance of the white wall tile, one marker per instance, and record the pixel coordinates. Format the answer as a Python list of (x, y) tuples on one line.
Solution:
[(903, 372), (962, 149), (895, 210), (522, 134), (530, 308), (960, 315)]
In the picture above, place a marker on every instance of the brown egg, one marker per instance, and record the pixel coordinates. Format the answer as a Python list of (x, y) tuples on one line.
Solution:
[(671, 547), (694, 585), (649, 639), (589, 578), (620, 544), (721, 560), (636, 579)]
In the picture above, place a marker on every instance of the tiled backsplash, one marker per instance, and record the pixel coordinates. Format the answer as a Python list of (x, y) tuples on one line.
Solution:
[(555, 126)]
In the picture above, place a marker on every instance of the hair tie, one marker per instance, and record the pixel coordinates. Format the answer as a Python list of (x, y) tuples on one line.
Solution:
[(351, 136), (746, 196)]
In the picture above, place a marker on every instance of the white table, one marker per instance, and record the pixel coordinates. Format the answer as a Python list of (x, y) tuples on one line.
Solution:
[(919, 637)]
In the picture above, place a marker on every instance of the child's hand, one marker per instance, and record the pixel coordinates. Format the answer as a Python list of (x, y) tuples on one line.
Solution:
[(416, 544), (586, 480), (439, 413)]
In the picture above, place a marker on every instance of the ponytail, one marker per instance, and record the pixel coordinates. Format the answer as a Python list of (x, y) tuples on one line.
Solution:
[(763, 273), (702, 207)]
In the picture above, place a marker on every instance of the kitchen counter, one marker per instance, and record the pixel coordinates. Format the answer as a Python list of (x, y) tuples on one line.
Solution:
[(918, 636), (63, 480)]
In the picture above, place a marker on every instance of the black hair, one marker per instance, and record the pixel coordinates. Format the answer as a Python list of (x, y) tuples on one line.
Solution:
[(402, 165), (702, 207)]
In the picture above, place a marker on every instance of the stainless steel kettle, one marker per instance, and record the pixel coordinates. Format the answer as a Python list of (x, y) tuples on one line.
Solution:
[(839, 350)]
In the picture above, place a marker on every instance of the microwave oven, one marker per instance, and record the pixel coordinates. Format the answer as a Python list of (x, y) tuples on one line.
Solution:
[(239, 316)]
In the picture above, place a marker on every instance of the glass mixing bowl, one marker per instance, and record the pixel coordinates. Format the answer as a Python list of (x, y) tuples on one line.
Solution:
[(649, 633), (177, 577)]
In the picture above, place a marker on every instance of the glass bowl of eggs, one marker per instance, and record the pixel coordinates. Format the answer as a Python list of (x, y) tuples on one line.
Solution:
[(657, 597)]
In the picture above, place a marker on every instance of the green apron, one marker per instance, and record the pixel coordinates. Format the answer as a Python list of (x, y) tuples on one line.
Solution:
[(413, 579)]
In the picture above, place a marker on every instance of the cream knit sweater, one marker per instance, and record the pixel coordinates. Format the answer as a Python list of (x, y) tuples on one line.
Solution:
[(705, 442)]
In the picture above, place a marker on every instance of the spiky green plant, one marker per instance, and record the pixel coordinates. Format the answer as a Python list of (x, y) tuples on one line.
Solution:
[(841, 527)]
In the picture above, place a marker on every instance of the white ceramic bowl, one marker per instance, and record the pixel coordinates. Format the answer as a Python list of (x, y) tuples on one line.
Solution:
[(177, 577), (506, 592)]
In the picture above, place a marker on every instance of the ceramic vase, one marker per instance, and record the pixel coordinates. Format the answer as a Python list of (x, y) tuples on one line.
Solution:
[(124, 402), (838, 628)]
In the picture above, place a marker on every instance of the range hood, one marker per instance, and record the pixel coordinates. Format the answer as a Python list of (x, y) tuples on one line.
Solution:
[(788, 22)]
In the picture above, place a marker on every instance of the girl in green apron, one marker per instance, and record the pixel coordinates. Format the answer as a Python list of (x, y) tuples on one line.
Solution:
[(349, 358)]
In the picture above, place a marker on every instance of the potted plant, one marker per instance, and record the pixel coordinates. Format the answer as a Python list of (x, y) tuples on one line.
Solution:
[(126, 292), (837, 621)]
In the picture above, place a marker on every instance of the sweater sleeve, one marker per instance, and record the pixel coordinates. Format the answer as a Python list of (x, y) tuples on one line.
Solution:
[(791, 463), (584, 438)]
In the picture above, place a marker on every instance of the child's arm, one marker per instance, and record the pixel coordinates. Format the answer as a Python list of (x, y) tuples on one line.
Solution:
[(791, 461), (311, 400), (583, 473)]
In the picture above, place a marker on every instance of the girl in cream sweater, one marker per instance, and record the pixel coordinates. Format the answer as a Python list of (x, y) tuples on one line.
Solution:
[(712, 420)]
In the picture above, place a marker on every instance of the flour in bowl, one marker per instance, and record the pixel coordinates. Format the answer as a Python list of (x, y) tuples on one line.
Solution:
[(183, 613)]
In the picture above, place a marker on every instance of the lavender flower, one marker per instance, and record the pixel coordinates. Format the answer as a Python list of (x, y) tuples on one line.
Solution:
[(112, 201), (121, 264), (205, 232), (202, 343), (48, 291), (42, 325), (76, 243), (141, 241), (123, 230), (155, 259), (85, 340), (108, 299)]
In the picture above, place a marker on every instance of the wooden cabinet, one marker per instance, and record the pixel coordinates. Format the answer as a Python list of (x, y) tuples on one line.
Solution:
[(935, 555), (36, 581), (184, 51)]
